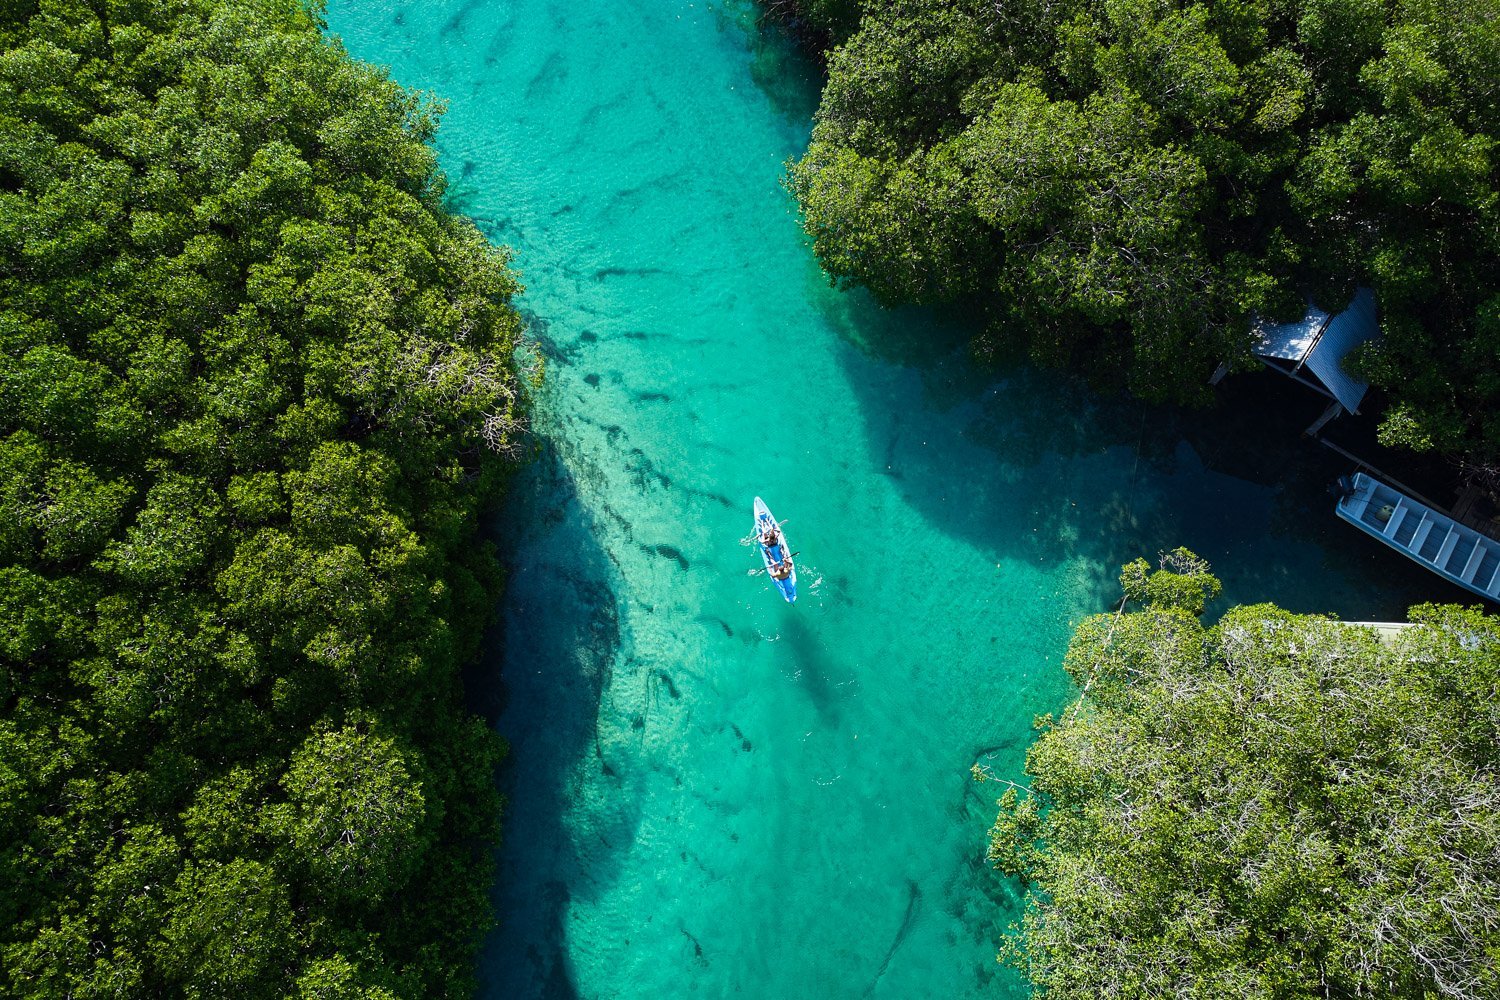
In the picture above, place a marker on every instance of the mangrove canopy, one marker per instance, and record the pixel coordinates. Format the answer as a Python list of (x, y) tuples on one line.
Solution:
[(1119, 184), (1277, 805), (255, 388)]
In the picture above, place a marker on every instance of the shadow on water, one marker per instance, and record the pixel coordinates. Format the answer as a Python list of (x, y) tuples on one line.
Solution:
[(1035, 466), (908, 921), (789, 78), (812, 666), (562, 643)]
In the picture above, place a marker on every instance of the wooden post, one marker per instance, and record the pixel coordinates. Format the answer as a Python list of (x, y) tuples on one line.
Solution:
[(1334, 409)]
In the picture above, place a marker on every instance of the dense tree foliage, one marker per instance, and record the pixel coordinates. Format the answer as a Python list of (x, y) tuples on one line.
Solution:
[(1122, 182), (253, 384), (1276, 806)]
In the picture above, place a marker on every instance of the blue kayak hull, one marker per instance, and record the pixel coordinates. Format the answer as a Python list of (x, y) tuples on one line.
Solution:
[(772, 554)]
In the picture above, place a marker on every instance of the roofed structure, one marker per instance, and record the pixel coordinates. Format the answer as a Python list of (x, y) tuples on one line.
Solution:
[(1312, 349)]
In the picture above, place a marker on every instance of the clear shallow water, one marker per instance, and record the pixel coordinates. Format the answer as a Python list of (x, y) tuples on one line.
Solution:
[(711, 793)]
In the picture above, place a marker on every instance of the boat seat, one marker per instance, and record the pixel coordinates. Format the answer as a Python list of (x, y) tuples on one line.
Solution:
[(1423, 528), (1475, 558), (1446, 551), (1489, 569), (1463, 548)]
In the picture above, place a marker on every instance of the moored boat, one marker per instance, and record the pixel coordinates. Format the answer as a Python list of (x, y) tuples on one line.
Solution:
[(1436, 541)]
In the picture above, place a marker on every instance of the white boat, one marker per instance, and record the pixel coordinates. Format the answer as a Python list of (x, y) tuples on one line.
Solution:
[(1454, 551)]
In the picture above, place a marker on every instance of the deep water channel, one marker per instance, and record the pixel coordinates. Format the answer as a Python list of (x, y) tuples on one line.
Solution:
[(712, 793)]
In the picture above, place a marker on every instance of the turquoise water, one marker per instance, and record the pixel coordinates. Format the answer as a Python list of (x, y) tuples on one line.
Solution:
[(712, 793)]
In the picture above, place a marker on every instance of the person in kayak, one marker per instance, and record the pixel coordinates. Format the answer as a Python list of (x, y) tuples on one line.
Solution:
[(781, 567)]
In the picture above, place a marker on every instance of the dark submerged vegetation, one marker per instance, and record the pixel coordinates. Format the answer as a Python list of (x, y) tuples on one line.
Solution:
[(1277, 805), (257, 387), (1119, 183)]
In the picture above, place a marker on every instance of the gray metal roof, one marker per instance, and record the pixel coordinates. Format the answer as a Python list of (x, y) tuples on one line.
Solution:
[(1288, 341), (1318, 344)]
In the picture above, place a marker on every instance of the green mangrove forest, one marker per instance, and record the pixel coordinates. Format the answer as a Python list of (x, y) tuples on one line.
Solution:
[(1274, 805), (257, 385), (1119, 184)]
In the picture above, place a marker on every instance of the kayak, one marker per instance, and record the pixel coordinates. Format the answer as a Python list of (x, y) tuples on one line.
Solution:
[(776, 553)]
